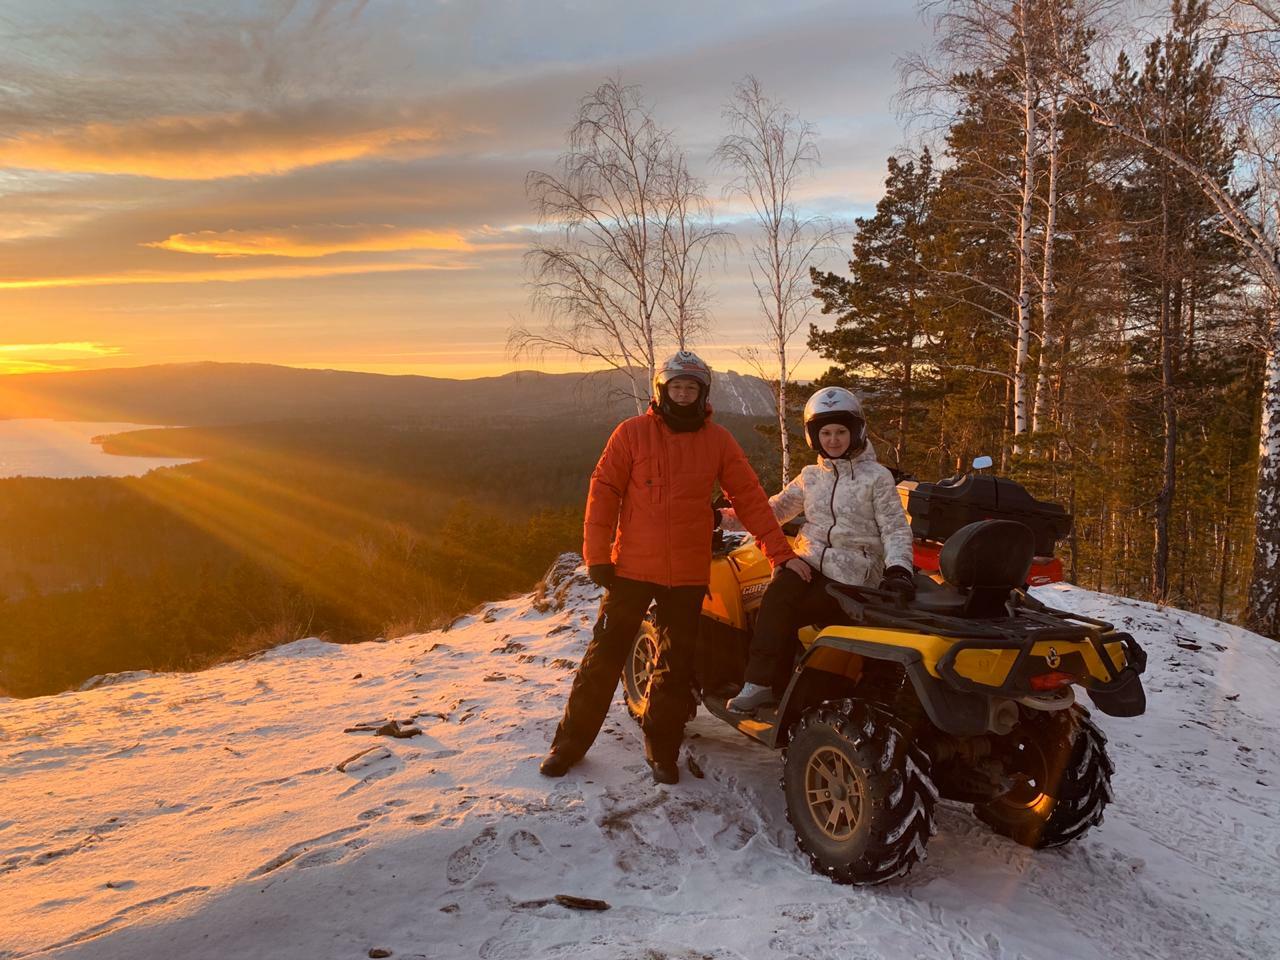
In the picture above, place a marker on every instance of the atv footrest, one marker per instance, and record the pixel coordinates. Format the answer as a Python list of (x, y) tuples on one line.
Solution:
[(758, 726)]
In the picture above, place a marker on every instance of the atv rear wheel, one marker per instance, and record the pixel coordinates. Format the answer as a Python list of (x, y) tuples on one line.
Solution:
[(1062, 759), (858, 791), (638, 669)]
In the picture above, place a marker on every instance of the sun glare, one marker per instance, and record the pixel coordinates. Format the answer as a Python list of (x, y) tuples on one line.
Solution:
[(50, 357)]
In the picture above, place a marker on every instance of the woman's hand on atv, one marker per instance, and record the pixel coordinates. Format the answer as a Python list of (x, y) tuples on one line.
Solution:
[(800, 569), (899, 580)]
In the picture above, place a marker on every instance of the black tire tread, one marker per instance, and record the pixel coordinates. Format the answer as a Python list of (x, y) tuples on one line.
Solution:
[(1083, 791), (902, 791)]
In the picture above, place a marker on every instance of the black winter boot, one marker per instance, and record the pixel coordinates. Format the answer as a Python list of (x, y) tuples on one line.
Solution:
[(555, 764), (664, 772)]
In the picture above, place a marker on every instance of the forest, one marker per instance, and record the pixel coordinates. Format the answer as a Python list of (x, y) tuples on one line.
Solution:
[(1073, 267), (349, 530), (1098, 332)]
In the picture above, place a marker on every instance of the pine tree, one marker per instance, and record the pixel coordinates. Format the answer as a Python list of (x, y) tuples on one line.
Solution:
[(883, 309), (1179, 262)]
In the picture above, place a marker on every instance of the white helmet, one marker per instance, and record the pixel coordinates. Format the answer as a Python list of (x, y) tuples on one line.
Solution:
[(835, 405), (683, 363)]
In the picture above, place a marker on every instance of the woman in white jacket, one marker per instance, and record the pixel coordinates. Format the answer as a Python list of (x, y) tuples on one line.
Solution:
[(855, 532)]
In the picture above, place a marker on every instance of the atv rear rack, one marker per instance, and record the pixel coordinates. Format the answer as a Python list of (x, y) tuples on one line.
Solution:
[(1029, 622)]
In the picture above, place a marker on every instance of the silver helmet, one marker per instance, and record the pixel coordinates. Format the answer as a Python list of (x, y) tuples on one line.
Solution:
[(682, 363), (835, 405)]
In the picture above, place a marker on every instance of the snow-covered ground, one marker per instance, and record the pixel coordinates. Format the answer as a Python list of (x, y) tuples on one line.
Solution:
[(212, 815)]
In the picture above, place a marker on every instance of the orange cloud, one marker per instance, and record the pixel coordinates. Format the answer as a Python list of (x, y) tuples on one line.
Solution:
[(283, 271), (314, 241), (214, 146), (21, 357)]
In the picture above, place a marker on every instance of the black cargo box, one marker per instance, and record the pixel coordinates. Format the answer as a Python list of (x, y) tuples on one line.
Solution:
[(940, 509)]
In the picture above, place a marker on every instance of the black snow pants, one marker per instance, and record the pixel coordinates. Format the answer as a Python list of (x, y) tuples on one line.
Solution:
[(676, 612), (789, 604)]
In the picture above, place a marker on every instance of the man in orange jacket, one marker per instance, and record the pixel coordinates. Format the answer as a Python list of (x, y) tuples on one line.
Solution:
[(647, 539)]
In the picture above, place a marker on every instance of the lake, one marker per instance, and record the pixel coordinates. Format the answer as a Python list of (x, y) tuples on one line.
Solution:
[(61, 448)]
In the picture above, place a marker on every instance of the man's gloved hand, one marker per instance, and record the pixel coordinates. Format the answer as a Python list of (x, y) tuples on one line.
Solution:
[(899, 580), (602, 575)]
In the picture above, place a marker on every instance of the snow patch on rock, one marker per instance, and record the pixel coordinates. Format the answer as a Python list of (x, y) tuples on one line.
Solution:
[(113, 679), (302, 649)]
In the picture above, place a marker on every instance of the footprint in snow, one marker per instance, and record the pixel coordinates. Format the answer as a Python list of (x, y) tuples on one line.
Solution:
[(304, 849), (319, 858), (734, 836), (526, 845), (466, 862), (441, 754), (381, 810)]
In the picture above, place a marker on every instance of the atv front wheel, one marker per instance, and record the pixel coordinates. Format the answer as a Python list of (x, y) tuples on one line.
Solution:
[(638, 669), (1061, 759), (858, 792)]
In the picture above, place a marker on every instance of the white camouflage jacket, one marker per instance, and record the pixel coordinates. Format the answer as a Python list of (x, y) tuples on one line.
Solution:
[(854, 524)]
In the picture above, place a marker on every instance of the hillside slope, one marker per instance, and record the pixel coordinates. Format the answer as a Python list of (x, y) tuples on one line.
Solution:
[(205, 394), (210, 815)]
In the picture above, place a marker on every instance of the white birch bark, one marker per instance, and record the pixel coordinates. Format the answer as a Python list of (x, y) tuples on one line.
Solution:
[(782, 413), (1029, 147), (1040, 411), (1264, 586)]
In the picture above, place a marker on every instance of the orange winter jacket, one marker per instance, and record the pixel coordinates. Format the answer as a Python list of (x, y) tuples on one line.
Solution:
[(649, 506)]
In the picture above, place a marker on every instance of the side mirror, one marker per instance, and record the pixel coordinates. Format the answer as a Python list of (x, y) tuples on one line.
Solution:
[(981, 463)]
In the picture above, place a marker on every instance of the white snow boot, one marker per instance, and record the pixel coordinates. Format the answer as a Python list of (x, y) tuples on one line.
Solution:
[(752, 697)]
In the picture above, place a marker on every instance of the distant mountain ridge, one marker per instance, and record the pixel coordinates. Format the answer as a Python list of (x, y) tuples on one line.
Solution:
[(210, 393)]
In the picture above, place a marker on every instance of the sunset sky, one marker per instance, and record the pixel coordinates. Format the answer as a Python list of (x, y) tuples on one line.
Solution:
[(341, 184)]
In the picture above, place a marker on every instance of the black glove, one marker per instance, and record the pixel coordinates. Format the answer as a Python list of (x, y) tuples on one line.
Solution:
[(899, 580), (717, 507), (602, 575)]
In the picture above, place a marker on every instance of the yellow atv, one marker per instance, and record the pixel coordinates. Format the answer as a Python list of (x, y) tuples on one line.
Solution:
[(967, 693)]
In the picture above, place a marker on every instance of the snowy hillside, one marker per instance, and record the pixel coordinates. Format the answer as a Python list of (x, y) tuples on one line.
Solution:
[(241, 813)]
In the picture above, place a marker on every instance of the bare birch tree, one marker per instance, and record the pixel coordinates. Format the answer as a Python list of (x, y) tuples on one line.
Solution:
[(1003, 51), (690, 240), (768, 151), (995, 48), (617, 269)]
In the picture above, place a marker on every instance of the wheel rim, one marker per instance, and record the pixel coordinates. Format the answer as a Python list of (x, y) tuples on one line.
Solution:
[(1028, 759), (833, 793), (643, 656)]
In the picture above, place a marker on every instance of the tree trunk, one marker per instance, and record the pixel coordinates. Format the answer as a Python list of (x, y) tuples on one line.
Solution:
[(1264, 588), (1224, 551), (1164, 501), (1008, 413), (1029, 147), (639, 391), (1169, 414), (1047, 292), (904, 416), (1073, 538), (782, 413)]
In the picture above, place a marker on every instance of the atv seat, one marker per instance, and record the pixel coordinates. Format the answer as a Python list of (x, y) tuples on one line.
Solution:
[(937, 597), (981, 563)]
